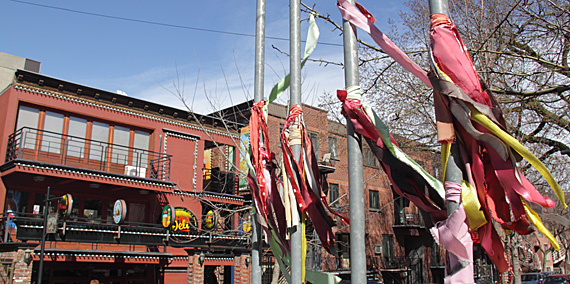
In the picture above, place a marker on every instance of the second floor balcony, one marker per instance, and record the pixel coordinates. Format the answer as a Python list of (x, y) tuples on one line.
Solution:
[(29, 144)]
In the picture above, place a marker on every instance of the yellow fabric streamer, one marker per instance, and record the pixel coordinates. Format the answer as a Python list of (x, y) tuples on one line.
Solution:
[(445, 150), (522, 150), (535, 220), (303, 245), (472, 207)]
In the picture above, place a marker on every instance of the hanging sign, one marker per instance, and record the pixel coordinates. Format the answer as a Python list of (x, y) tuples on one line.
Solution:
[(65, 205), (119, 211), (209, 220), (168, 216)]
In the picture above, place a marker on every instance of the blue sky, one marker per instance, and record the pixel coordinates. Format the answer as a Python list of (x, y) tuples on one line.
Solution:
[(143, 60)]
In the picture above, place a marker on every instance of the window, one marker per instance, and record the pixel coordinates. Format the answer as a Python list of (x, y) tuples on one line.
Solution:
[(333, 195), (399, 214), (76, 142), (141, 141), (344, 244), (53, 127), (315, 141), (121, 138), (369, 157), (28, 117), (374, 196), (99, 133), (332, 147), (388, 247)]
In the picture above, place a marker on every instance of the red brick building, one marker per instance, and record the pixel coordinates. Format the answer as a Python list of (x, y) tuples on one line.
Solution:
[(123, 162)]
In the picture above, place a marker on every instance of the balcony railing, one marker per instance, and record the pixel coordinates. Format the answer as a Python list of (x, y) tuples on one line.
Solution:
[(218, 181), (408, 220), (393, 263), (56, 148)]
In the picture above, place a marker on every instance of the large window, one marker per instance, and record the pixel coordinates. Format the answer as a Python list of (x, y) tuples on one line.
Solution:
[(99, 133), (53, 127), (28, 117), (76, 142)]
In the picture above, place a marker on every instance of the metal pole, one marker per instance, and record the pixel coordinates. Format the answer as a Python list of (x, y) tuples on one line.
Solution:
[(43, 243), (438, 7), (295, 99), (258, 94), (355, 174)]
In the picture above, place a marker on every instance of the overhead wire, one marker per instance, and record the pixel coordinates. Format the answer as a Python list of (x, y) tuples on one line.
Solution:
[(156, 23)]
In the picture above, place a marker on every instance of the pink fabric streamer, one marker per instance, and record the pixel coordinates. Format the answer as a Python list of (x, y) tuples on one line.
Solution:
[(350, 13), (453, 234)]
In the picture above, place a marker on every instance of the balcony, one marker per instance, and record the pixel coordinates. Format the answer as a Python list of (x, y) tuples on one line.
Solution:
[(393, 264), (408, 220), (215, 180), (35, 145)]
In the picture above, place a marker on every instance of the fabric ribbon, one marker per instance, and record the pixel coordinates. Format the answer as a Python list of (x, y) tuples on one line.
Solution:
[(407, 177), (310, 45), (352, 14)]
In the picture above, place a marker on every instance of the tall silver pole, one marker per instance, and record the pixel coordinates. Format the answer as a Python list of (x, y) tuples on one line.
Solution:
[(256, 247), (355, 175), (295, 99)]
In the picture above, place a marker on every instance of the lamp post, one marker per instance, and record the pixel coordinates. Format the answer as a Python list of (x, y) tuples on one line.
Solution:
[(43, 243)]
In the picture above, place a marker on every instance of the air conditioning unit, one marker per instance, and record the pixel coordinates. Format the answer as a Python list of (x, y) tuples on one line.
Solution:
[(135, 171), (377, 249)]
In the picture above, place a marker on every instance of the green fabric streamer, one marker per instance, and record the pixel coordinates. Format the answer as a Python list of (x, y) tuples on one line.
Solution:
[(354, 93), (312, 37)]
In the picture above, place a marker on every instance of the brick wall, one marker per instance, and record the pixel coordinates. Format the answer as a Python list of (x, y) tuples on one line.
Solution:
[(195, 270), (22, 271)]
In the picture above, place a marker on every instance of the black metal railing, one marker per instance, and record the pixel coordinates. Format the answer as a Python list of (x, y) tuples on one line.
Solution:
[(393, 262), (218, 181), (55, 148)]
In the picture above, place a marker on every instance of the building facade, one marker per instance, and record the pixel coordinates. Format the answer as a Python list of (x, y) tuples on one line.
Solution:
[(138, 192)]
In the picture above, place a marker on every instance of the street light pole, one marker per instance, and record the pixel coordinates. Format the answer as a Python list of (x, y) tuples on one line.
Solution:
[(256, 246), (355, 172), (43, 243)]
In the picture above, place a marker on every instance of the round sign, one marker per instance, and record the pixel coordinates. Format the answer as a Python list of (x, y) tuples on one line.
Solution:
[(119, 211), (168, 216), (209, 220), (65, 205)]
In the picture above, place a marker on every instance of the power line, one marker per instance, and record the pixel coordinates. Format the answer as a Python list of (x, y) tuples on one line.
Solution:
[(154, 23)]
